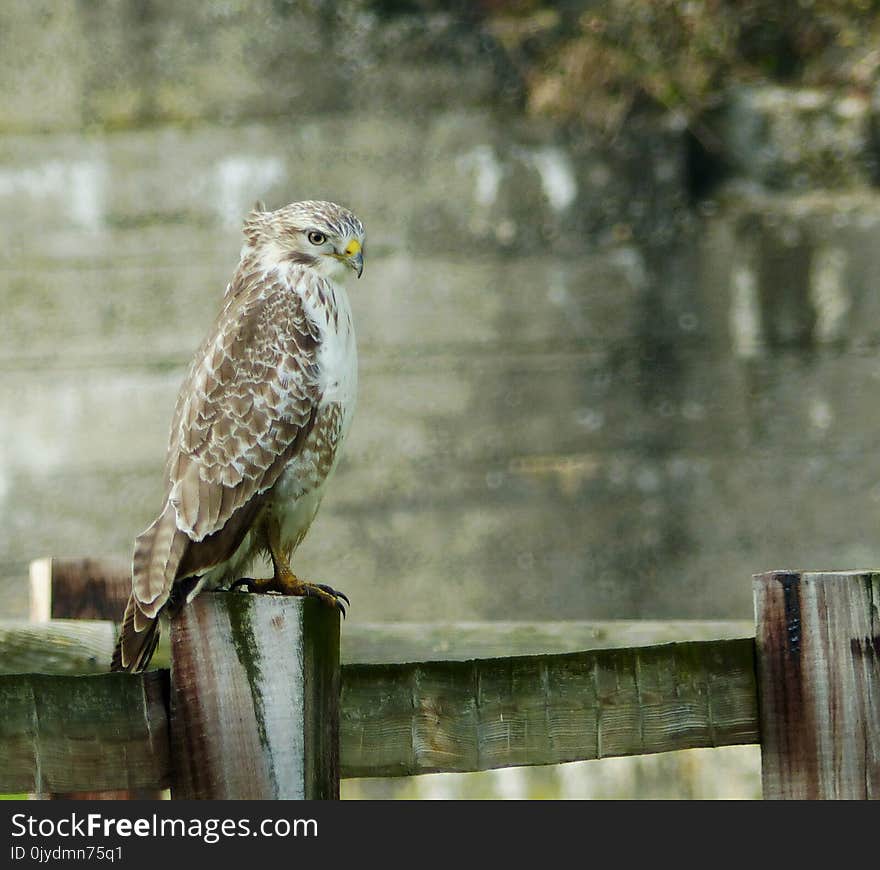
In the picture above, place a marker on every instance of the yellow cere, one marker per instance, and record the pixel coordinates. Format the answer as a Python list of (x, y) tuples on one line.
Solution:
[(354, 247)]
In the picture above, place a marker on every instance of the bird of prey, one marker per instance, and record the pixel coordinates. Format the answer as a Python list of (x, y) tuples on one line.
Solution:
[(259, 423)]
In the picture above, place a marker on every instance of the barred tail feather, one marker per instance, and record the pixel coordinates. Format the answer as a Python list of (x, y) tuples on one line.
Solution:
[(135, 646), (157, 554)]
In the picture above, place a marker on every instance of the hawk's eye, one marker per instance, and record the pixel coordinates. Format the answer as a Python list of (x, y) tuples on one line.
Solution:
[(317, 238)]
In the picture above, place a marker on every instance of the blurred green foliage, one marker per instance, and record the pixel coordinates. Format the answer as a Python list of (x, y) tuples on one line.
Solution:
[(595, 60)]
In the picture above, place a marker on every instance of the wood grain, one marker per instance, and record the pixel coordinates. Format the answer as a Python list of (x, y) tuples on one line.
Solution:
[(255, 698), (57, 647), (74, 590), (79, 588), (62, 734), (818, 657), (401, 719), (464, 716)]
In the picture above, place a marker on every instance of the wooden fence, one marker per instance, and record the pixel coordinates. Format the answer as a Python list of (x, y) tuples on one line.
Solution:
[(256, 703)]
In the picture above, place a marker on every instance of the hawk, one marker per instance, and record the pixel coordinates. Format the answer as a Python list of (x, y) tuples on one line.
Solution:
[(259, 423)]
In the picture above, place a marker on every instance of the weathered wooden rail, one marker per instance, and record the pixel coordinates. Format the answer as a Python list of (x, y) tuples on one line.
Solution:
[(237, 715), (403, 719)]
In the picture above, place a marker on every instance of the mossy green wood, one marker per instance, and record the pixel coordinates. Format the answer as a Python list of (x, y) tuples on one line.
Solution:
[(71, 591), (62, 733), (75, 646), (255, 698), (401, 719)]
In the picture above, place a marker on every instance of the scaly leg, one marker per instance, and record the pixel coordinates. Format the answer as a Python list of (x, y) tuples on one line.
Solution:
[(285, 582)]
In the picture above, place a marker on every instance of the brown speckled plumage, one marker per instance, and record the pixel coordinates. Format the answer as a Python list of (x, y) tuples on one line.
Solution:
[(259, 420)]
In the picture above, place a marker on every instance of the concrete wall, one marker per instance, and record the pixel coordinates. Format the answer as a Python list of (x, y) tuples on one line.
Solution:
[(584, 393)]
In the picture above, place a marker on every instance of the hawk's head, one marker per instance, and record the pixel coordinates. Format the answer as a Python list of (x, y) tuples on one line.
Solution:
[(321, 235)]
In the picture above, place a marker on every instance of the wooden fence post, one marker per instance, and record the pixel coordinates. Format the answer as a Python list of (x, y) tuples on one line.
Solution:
[(818, 661), (255, 698), (78, 589), (82, 589)]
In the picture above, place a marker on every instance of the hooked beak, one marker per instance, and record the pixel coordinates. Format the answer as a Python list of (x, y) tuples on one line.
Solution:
[(357, 263), (354, 256)]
